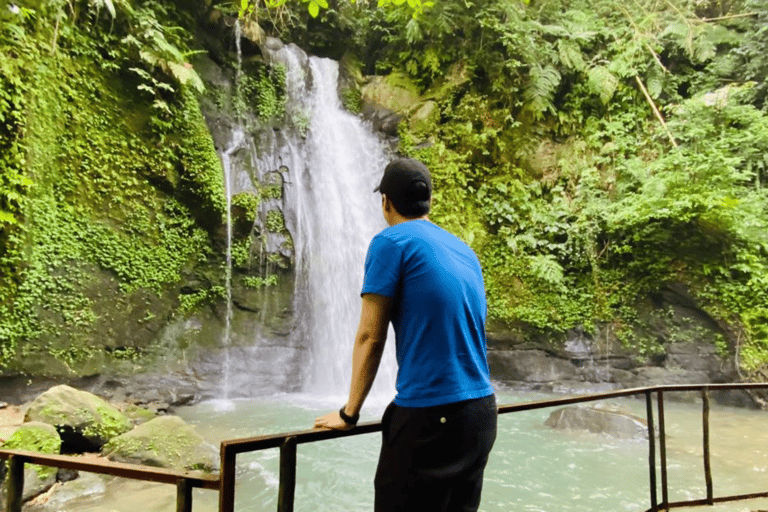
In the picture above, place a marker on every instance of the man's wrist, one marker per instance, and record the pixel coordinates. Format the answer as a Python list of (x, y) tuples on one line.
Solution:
[(349, 420)]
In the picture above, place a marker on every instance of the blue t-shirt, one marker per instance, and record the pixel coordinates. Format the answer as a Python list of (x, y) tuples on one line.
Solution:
[(438, 313)]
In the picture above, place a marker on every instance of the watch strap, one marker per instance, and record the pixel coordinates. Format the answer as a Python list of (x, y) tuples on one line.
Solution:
[(349, 420)]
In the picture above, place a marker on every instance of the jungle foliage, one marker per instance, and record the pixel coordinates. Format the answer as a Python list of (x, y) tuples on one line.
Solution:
[(598, 150), (589, 151)]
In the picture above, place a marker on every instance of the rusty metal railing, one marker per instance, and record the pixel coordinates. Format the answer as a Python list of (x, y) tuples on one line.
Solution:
[(288, 441), (185, 481)]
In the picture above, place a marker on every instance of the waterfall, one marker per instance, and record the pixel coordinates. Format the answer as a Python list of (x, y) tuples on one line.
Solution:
[(238, 138), (327, 162), (332, 172)]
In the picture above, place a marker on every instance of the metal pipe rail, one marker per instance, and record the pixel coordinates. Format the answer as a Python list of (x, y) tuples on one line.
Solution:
[(288, 441), (185, 481)]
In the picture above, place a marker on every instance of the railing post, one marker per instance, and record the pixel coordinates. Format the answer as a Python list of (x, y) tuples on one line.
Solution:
[(287, 475), (183, 496), (651, 448), (663, 451), (227, 483), (15, 483), (705, 439)]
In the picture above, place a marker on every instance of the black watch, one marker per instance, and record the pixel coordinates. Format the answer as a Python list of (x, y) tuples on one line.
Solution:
[(349, 420)]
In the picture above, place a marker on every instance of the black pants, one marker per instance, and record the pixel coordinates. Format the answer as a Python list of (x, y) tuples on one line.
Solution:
[(433, 458)]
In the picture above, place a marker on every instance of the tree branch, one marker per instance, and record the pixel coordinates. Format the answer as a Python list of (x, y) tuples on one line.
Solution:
[(655, 110)]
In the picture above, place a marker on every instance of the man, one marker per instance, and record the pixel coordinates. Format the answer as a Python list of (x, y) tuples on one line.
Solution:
[(441, 426)]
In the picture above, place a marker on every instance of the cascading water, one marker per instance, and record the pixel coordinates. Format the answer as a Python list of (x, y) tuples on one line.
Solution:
[(333, 171), (326, 162), (238, 138)]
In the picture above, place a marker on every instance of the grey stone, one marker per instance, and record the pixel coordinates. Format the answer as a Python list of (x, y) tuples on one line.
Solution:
[(612, 422), (529, 366)]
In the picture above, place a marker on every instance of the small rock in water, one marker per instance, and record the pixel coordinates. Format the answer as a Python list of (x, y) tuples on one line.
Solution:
[(599, 421), (88, 484)]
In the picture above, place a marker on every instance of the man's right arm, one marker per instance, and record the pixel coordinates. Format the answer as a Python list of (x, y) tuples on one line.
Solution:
[(369, 347), (366, 357)]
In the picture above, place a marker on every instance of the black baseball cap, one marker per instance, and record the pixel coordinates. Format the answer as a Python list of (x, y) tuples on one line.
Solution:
[(401, 181)]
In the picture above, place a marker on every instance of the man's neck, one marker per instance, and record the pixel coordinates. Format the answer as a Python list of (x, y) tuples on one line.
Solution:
[(399, 219)]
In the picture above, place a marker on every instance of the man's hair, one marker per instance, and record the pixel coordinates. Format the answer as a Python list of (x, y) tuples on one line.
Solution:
[(414, 204), (407, 183)]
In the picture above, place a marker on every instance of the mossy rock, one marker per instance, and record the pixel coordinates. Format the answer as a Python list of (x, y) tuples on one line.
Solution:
[(167, 442), (35, 437), (395, 92), (84, 421)]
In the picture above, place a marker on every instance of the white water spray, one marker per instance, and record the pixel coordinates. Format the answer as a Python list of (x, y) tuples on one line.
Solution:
[(238, 137), (333, 172)]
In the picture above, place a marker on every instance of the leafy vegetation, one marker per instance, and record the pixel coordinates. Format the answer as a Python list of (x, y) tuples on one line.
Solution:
[(107, 165), (598, 150), (590, 152)]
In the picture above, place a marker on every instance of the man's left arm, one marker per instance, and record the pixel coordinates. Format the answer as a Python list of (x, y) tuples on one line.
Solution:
[(366, 357)]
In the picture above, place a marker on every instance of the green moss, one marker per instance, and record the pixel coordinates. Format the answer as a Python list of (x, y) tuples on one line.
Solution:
[(111, 423), (352, 100), (275, 222), (36, 439), (248, 202), (271, 192), (189, 302), (260, 282), (138, 415)]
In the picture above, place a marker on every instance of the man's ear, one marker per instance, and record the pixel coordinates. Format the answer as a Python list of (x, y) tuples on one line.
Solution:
[(386, 203)]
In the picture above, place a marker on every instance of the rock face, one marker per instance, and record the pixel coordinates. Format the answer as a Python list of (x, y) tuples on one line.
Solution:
[(612, 422), (533, 366), (166, 442), (682, 337), (84, 421)]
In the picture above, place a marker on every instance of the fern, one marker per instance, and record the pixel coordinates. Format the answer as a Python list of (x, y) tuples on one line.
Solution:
[(540, 90), (570, 55), (603, 83), (546, 268), (654, 82)]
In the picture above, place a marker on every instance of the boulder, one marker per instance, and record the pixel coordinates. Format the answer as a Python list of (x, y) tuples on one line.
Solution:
[(36, 437), (599, 420), (84, 421), (395, 92), (253, 32), (166, 442)]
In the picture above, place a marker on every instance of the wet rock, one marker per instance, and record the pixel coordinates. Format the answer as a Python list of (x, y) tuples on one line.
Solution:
[(86, 485), (609, 421), (166, 442)]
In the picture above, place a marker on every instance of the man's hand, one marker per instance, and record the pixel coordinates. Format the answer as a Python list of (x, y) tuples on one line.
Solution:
[(332, 421)]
